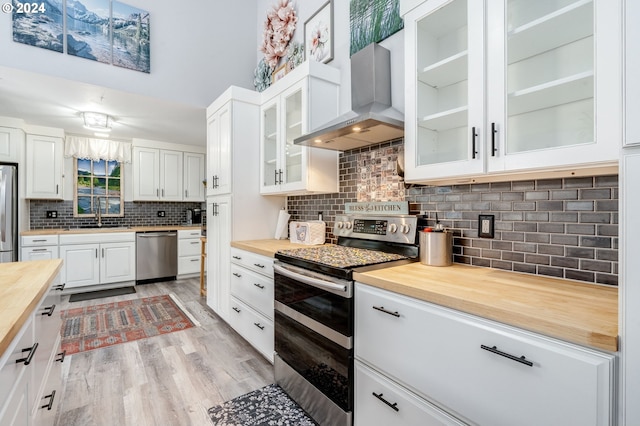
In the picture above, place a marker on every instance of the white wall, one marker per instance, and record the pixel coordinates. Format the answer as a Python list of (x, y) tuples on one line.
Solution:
[(305, 9), (198, 49)]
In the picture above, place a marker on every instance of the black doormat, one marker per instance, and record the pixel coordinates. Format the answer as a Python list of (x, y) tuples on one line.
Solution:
[(79, 297), (268, 406)]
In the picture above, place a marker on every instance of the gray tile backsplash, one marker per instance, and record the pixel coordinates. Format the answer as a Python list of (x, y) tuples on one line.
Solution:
[(135, 214), (565, 228)]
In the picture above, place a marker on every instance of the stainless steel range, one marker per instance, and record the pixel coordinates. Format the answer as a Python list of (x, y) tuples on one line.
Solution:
[(314, 309)]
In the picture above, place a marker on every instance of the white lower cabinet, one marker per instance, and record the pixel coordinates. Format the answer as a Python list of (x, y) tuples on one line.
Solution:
[(481, 371), (189, 251), (251, 312), (39, 247), (380, 401), (94, 259), (31, 367)]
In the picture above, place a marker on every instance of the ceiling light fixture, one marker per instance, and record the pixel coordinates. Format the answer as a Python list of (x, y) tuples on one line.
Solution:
[(97, 121)]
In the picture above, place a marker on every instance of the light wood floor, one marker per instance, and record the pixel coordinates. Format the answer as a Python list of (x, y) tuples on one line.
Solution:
[(165, 380)]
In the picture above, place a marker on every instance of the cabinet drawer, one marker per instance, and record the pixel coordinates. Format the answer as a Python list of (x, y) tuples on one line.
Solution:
[(39, 253), (47, 325), (189, 265), (375, 392), (40, 240), (10, 370), (190, 233), (252, 288), (257, 262), (443, 359), (255, 328), (189, 247)]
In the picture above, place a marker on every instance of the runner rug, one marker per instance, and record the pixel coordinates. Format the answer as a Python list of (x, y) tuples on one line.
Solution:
[(109, 324), (267, 406)]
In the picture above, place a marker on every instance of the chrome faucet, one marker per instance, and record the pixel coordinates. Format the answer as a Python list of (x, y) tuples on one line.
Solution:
[(98, 214)]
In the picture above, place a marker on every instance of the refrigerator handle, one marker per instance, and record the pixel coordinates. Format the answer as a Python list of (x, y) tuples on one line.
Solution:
[(3, 205)]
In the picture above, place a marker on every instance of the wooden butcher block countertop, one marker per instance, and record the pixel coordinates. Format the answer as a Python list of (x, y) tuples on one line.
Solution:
[(22, 285), (266, 247), (61, 231), (585, 314)]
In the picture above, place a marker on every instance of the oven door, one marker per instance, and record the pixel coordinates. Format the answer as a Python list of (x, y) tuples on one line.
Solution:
[(314, 330)]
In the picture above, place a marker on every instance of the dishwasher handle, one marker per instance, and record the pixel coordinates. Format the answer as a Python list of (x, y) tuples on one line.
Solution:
[(157, 234)]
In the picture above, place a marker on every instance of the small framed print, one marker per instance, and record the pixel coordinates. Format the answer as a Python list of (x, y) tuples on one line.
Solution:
[(278, 73), (318, 34)]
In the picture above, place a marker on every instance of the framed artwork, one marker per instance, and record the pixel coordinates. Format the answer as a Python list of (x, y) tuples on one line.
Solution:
[(36, 24), (131, 38), (318, 34), (88, 29), (278, 73), (371, 21)]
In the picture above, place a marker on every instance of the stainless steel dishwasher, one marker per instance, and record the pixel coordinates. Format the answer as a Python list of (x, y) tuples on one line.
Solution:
[(156, 255)]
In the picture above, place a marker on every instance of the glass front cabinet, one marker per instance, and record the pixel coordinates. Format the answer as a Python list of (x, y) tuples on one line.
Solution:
[(508, 86), (303, 100)]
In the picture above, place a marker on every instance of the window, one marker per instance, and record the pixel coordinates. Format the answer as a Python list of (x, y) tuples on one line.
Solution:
[(98, 183)]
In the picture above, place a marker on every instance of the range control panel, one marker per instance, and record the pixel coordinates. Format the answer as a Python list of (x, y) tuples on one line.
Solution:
[(396, 229)]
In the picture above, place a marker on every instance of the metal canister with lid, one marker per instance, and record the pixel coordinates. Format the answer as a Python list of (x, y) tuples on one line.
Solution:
[(436, 246)]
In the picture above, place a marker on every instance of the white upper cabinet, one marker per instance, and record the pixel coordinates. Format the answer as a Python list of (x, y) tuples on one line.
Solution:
[(10, 140), (194, 173), (507, 86), (303, 100), (44, 167), (157, 174), (631, 72), (219, 149)]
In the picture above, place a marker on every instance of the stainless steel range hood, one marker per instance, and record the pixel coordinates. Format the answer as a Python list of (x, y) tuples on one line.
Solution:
[(372, 119)]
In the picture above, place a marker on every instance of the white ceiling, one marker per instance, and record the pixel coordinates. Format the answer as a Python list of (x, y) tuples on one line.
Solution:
[(43, 100)]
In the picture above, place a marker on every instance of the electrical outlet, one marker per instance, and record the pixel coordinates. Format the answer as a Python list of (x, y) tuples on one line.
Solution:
[(486, 225), (52, 214), (161, 213)]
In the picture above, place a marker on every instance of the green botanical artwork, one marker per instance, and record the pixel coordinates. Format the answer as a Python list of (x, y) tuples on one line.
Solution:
[(373, 21)]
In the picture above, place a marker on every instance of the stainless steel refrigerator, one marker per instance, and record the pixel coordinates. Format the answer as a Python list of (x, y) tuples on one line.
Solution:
[(8, 213)]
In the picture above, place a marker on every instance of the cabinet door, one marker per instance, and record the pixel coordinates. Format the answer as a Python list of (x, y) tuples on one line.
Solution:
[(171, 175), (445, 89), (270, 170), (117, 262), (219, 134), (39, 253), (218, 254), (294, 124), (146, 172), (81, 265), (16, 408), (631, 71), (194, 174), (10, 140), (44, 167), (554, 111)]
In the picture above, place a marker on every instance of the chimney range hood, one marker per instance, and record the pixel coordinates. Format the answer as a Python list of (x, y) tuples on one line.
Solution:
[(372, 120)]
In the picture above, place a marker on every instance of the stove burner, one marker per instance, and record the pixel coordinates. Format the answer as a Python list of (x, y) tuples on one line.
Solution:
[(340, 256)]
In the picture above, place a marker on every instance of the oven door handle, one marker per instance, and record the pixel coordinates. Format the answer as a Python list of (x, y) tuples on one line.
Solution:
[(314, 282)]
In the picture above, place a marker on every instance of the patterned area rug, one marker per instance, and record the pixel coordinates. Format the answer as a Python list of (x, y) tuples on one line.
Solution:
[(109, 324), (268, 406)]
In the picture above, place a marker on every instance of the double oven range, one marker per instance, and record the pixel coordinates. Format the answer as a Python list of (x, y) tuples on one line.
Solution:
[(314, 309)]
